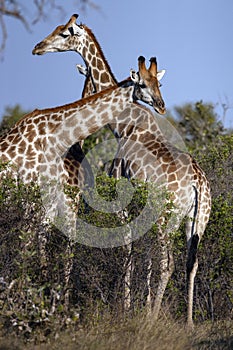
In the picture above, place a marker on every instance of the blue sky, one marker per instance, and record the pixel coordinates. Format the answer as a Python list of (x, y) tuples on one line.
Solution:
[(192, 40)]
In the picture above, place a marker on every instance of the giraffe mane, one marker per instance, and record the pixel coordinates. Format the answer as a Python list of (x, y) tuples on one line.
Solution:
[(74, 104), (100, 51)]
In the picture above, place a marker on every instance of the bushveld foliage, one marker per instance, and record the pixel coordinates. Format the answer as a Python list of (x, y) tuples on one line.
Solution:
[(32, 298)]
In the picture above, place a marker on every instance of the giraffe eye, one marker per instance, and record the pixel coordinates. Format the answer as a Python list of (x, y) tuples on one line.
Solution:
[(63, 35)]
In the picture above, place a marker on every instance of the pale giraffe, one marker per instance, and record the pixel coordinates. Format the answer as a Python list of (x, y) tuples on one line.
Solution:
[(37, 144), (183, 177)]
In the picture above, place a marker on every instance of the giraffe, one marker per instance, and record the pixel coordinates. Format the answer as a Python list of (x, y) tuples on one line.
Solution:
[(151, 158), (37, 144)]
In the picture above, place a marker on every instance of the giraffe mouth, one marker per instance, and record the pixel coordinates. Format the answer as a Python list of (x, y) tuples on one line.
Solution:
[(35, 52), (41, 49), (160, 111), (158, 106), (38, 50)]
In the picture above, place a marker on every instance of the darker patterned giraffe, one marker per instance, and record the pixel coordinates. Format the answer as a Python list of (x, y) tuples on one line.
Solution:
[(151, 158)]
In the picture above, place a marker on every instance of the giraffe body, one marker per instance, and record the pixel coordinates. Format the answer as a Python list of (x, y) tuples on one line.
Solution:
[(38, 143), (144, 153)]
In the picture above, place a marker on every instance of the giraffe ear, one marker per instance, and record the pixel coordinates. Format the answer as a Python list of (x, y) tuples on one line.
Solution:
[(73, 29), (82, 69), (160, 74), (67, 31), (78, 30), (134, 76)]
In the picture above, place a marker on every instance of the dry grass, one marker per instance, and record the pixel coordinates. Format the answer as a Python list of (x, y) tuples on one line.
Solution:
[(139, 333)]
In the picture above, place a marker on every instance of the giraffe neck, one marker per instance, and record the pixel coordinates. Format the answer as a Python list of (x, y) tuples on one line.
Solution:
[(60, 127), (97, 111), (136, 120), (100, 76)]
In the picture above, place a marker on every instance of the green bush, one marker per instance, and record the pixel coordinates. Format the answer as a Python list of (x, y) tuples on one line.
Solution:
[(32, 301)]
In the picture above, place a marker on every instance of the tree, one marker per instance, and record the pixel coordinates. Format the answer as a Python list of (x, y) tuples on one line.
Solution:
[(10, 117), (19, 11), (198, 123), (217, 244)]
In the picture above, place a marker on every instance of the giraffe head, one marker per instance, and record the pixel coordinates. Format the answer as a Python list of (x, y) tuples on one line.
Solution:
[(68, 37), (80, 38), (147, 84)]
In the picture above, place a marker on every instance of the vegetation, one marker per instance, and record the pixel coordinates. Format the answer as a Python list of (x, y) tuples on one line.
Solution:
[(136, 334), (10, 117), (198, 124), (33, 312)]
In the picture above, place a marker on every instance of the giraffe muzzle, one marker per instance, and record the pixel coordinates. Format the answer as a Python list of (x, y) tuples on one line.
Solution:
[(37, 50), (159, 106)]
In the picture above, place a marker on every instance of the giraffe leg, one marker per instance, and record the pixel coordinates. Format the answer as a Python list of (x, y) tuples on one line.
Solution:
[(192, 265), (128, 271), (127, 267), (166, 266), (192, 226), (127, 281), (195, 227), (71, 233), (42, 242), (141, 273), (149, 283), (68, 265), (66, 213)]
